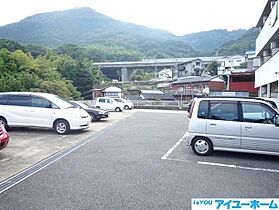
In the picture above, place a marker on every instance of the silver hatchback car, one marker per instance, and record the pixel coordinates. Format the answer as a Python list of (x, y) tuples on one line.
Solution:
[(233, 124)]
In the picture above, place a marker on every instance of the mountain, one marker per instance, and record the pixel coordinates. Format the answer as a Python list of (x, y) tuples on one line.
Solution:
[(245, 43), (86, 27), (80, 25), (207, 41)]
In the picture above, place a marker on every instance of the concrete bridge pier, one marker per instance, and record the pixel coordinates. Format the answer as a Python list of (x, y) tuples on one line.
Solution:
[(124, 74)]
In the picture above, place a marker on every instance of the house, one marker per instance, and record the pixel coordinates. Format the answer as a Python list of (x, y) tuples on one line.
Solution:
[(155, 95), (109, 91), (164, 87), (165, 74), (192, 67), (243, 81), (189, 87), (231, 63), (267, 47)]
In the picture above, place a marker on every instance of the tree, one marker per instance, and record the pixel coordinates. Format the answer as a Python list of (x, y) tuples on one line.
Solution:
[(212, 68), (140, 75)]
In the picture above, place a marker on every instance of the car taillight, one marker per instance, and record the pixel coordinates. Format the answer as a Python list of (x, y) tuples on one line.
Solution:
[(191, 110)]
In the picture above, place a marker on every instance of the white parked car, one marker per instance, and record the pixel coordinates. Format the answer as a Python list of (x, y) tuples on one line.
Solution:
[(107, 103), (233, 124), (127, 103), (28, 109)]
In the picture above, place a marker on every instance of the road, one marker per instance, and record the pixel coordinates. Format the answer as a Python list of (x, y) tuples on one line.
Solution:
[(139, 163)]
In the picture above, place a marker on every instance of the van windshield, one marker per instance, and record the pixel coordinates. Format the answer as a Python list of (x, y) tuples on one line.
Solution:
[(62, 103)]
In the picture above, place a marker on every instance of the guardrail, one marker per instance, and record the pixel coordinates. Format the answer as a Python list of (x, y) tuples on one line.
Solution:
[(173, 105), (145, 104)]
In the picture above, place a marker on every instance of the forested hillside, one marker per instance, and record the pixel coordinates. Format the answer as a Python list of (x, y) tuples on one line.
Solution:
[(207, 41), (44, 70), (245, 43)]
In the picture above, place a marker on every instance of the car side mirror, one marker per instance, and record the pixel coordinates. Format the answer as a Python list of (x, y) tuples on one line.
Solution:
[(276, 120)]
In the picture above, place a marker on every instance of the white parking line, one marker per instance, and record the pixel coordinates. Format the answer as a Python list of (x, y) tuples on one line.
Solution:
[(239, 167), (173, 148)]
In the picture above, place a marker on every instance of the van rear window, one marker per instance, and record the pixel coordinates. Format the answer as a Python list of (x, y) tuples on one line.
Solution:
[(203, 109), (19, 100)]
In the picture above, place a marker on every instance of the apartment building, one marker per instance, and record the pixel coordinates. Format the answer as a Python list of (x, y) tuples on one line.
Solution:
[(267, 47)]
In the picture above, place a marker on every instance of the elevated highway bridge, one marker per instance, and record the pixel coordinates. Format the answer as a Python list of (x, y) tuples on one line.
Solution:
[(125, 66)]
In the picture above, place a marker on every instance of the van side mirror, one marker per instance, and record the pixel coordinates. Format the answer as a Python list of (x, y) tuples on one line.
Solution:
[(276, 120)]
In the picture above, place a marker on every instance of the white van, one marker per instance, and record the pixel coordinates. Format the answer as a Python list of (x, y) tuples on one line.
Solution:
[(234, 124), (127, 103), (107, 103), (28, 109)]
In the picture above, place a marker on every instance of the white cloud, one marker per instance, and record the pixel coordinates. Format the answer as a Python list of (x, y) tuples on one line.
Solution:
[(177, 16)]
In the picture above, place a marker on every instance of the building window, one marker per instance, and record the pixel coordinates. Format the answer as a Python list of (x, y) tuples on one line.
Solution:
[(264, 91), (274, 90), (111, 94)]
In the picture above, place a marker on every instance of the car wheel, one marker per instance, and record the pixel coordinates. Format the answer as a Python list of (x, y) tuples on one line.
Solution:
[(3, 122), (93, 117), (126, 107), (118, 109), (202, 146), (62, 127), (98, 107)]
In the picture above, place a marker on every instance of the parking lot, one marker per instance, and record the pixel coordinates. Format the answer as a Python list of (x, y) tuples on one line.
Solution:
[(27, 146), (139, 161)]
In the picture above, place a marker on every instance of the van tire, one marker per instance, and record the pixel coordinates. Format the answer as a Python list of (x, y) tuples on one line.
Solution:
[(3, 121), (118, 109), (202, 146), (62, 127), (126, 107)]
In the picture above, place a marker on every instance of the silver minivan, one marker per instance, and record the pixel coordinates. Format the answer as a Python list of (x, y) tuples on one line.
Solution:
[(233, 124)]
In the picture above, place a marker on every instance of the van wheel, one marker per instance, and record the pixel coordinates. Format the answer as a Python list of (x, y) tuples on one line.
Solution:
[(4, 123), (202, 146), (62, 127), (118, 109), (98, 107), (126, 107)]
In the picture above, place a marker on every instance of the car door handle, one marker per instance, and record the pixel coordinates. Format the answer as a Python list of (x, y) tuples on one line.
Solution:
[(212, 124), (248, 127)]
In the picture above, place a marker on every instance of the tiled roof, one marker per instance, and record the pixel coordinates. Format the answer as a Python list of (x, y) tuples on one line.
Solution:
[(193, 79)]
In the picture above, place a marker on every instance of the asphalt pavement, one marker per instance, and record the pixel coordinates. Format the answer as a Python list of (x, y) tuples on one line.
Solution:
[(122, 168)]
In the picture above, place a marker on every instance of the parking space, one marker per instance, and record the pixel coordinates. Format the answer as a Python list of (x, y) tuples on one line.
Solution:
[(234, 160), (28, 146)]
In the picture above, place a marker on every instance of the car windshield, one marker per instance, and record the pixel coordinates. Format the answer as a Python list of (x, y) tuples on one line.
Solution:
[(82, 105)]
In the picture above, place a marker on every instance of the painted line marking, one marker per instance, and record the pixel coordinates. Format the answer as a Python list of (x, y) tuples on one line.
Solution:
[(3, 160), (173, 148), (240, 167), (225, 165)]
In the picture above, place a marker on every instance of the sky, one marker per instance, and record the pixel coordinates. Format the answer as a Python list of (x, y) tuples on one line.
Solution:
[(177, 16)]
